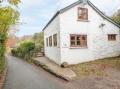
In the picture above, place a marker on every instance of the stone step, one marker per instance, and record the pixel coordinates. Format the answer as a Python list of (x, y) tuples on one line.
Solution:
[(39, 55)]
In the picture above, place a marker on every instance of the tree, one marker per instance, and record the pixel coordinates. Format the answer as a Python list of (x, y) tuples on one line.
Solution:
[(116, 17), (9, 15), (38, 39), (12, 2)]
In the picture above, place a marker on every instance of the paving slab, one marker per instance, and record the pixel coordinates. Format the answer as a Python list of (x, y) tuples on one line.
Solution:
[(65, 73)]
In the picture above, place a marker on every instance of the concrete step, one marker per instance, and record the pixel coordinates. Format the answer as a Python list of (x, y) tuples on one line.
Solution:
[(39, 55), (64, 73)]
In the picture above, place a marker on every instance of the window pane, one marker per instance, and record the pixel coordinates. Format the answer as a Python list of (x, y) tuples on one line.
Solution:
[(78, 40), (83, 38), (72, 37), (50, 41), (55, 39), (82, 13), (78, 43), (112, 37), (72, 43), (83, 43), (47, 42), (78, 37)]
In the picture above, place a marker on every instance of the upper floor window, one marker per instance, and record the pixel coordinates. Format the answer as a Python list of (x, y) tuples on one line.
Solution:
[(112, 37), (55, 39), (78, 40), (82, 13)]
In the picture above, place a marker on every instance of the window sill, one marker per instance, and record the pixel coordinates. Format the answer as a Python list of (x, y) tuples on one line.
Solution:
[(83, 20), (111, 40), (79, 47)]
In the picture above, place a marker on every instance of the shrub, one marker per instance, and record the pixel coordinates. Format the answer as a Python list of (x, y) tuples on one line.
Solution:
[(14, 52), (2, 44), (2, 65), (25, 50), (2, 52)]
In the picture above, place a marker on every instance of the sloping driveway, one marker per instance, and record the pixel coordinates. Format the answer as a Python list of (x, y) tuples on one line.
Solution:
[(22, 75)]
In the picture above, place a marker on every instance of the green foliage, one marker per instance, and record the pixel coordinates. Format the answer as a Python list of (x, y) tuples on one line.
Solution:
[(2, 50), (8, 16), (116, 17), (97, 67), (38, 39), (2, 46), (2, 65), (28, 46), (25, 50), (2, 37), (14, 2)]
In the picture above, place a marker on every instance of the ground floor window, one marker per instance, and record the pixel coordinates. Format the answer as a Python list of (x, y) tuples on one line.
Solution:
[(112, 37), (78, 40), (55, 40), (47, 42), (50, 41)]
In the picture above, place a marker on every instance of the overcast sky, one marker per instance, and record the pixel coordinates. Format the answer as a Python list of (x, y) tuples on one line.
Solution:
[(36, 13)]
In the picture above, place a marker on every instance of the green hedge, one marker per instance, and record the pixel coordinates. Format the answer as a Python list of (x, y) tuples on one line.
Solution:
[(2, 64), (25, 50), (2, 52), (2, 44)]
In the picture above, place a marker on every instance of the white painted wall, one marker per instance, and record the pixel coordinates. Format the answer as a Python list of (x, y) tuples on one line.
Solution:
[(98, 44), (53, 53), (102, 47), (97, 38)]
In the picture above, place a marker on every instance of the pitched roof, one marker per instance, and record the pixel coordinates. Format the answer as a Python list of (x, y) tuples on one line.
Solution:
[(77, 3), (102, 14)]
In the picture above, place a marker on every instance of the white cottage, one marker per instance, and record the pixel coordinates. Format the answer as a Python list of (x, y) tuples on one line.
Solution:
[(81, 33)]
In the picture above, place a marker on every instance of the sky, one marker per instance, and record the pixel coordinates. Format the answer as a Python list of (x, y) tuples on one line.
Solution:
[(35, 14)]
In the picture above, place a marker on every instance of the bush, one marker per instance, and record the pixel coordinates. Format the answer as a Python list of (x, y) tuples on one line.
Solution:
[(2, 44), (25, 50), (2, 52), (38, 39), (2, 65)]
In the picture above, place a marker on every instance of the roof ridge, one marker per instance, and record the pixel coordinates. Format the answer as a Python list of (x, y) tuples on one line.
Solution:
[(69, 6), (76, 3), (61, 11), (102, 14)]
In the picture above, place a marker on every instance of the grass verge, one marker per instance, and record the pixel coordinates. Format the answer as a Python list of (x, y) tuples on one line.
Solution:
[(97, 67), (2, 65)]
